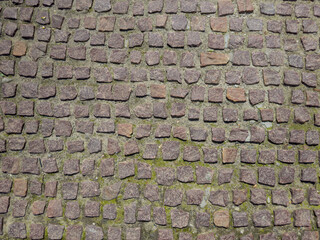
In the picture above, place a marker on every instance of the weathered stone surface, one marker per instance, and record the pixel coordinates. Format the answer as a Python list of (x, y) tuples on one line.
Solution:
[(17, 230), (219, 198), (221, 218), (262, 218), (207, 59), (179, 218), (177, 141)]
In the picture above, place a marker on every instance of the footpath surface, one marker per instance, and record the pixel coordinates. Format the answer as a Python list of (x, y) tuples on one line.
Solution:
[(163, 119)]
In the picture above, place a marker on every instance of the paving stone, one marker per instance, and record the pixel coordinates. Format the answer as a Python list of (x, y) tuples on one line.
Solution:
[(37, 231), (256, 96), (74, 232), (301, 115), (205, 236), (238, 135), (151, 193), (126, 169), (16, 143), (112, 191), (204, 175), (266, 176), (179, 218), (229, 155), (310, 235), (35, 187), (169, 33), (5, 186), (38, 207), (89, 189), (133, 233), (92, 209), (309, 175), (225, 7), (114, 233), (219, 198), (185, 174), (131, 191), (17, 230), (302, 218), (71, 167), (5, 201), (240, 219), (280, 197), (159, 215), (144, 214), (202, 220), (286, 175), (267, 156), (130, 213), (191, 154), (87, 167), (277, 135), (165, 176), (51, 188), (19, 208), (221, 218), (262, 218), (248, 176), (107, 167)]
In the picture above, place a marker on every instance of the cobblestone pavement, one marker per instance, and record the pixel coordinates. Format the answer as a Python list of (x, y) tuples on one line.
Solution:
[(173, 119)]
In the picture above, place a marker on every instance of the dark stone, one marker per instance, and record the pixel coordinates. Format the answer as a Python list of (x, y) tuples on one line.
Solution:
[(92, 209), (90, 189), (204, 175), (238, 135), (185, 174), (302, 218), (281, 217), (70, 190), (301, 115), (280, 197), (131, 191), (277, 135), (256, 96), (240, 219), (94, 232), (248, 156), (297, 195), (165, 175), (151, 192), (225, 175), (286, 175), (215, 95), (309, 175), (229, 115), (170, 150), (262, 218), (30, 166), (17, 230), (219, 198), (239, 196), (248, 176), (267, 157), (179, 218), (126, 169), (267, 176)]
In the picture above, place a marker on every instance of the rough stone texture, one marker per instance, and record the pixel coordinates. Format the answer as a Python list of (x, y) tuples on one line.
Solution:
[(177, 114)]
